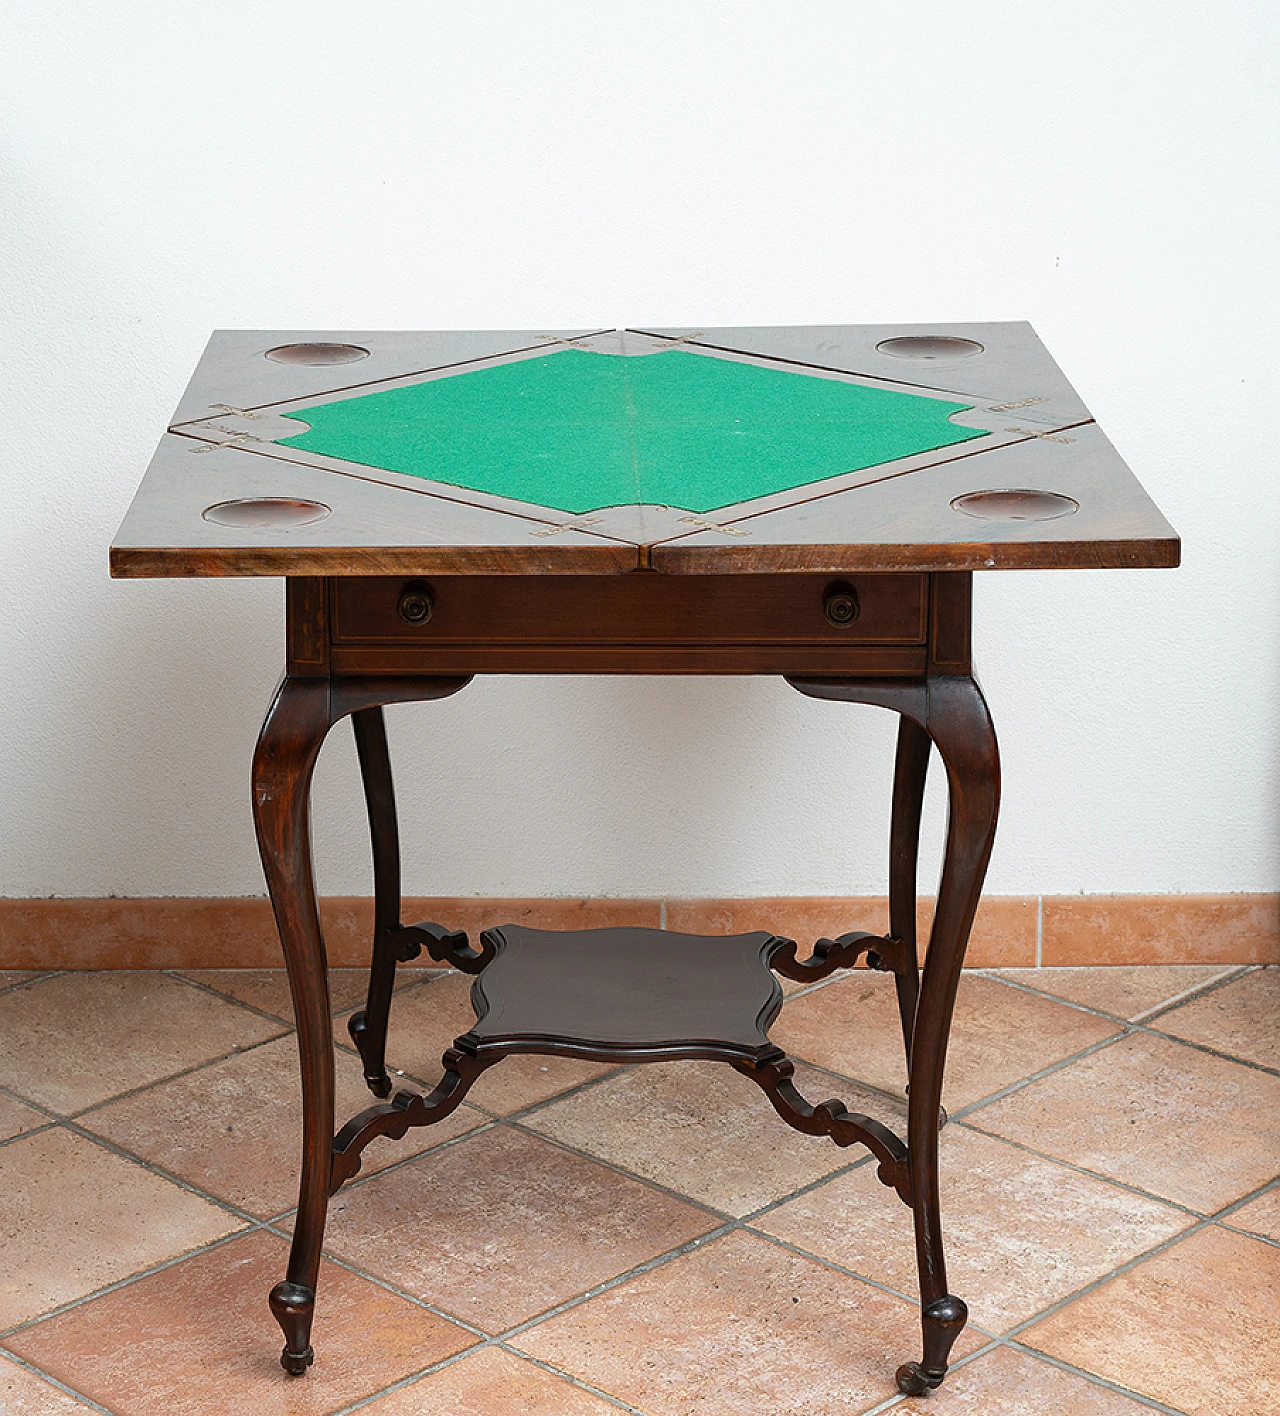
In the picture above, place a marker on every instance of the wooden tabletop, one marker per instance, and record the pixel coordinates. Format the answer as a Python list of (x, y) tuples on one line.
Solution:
[(826, 448)]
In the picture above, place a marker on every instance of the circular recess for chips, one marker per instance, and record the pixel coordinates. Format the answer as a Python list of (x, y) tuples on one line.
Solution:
[(1015, 505), (316, 354), (929, 346), (264, 513)]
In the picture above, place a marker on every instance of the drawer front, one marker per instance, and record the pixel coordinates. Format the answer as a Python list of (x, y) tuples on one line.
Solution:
[(643, 622), (640, 608)]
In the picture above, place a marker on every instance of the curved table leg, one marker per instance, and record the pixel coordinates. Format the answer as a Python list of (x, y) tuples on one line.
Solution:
[(952, 714), (960, 726), (368, 1027), (290, 742), (910, 767), (300, 716)]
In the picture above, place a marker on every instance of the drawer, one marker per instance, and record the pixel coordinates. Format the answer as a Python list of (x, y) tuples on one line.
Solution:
[(643, 607)]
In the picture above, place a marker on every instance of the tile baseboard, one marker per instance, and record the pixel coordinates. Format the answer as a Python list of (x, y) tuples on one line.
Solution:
[(1011, 931)]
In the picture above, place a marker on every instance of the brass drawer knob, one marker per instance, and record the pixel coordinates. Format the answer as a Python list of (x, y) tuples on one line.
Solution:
[(840, 605), (415, 606)]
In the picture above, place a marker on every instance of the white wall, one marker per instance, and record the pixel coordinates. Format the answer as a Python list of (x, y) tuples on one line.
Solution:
[(1106, 171)]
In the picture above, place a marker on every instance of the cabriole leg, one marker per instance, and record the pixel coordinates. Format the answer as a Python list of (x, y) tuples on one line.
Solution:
[(290, 741), (368, 1028), (950, 712), (904, 850), (960, 726)]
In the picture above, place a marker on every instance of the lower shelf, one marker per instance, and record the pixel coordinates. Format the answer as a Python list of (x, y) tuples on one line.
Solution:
[(627, 995)]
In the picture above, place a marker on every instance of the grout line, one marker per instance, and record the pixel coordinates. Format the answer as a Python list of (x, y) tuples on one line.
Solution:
[(40, 977), (174, 1076), (963, 1111), (1247, 1233), (53, 1381), (29, 1102), (490, 1344), (1132, 1026), (658, 1261), (1039, 931), (1084, 1170), (132, 1278), (1097, 1283), (838, 1174), (224, 997), (888, 1405), (722, 1215), (1148, 1401), (516, 1121), (388, 1287), (662, 913), (106, 1144), (1051, 997), (31, 1131), (571, 1379), (412, 1378), (895, 1099), (913, 1302), (1228, 974), (1208, 986), (576, 1090), (1222, 1216), (365, 1176), (1210, 1051), (1246, 1199)]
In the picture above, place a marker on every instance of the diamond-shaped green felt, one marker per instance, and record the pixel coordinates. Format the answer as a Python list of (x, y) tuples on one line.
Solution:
[(576, 430)]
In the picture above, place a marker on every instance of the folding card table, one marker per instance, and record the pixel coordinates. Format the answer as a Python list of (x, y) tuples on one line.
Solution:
[(807, 502)]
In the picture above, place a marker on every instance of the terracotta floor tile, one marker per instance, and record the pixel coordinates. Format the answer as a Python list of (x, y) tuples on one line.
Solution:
[(1129, 993), (1021, 1232), (1010, 1383), (426, 1020), (22, 1393), (129, 1029), (737, 1326), (268, 989), (197, 1339), (1260, 1216), (234, 1128), (16, 1119), (491, 1382), (74, 1217), (1197, 1326), (702, 1129), (1239, 1018), (500, 1226), (999, 1034), (1152, 1113)]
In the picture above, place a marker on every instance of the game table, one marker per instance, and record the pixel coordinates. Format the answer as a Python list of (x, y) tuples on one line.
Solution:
[(807, 502)]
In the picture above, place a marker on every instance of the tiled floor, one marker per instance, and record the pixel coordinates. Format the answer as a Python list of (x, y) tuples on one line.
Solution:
[(578, 1240)]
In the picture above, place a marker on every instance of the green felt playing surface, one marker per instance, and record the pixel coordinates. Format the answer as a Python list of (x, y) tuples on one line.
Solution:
[(576, 430)]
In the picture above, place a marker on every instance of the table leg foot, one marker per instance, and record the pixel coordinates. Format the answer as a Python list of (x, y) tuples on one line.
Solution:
[(370, 1044), (293, 1306), (943, 1321)]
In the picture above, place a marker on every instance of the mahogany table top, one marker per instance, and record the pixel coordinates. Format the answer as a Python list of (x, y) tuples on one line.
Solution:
[(821, 449)]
